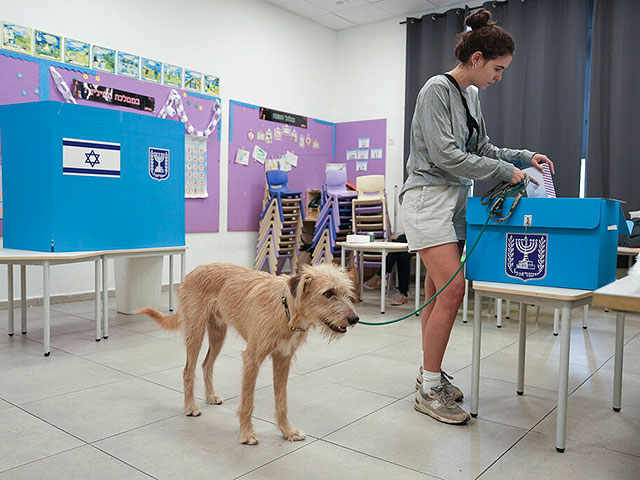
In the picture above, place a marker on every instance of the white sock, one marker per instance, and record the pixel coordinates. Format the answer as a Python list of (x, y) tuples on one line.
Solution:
[(429, 379)]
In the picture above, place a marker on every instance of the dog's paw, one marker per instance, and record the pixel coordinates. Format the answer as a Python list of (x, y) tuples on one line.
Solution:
[(214, 399), (192, 411), (249, 438), (294, 435)]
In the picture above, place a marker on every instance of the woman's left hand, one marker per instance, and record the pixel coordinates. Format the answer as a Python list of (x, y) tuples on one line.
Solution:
[(538, 159)]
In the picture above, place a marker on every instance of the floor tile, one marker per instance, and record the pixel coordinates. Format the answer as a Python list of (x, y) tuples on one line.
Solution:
[(26, 384), (310, 463), (77, 464), (19, 351), (400, 435), (107, 410), (82, 343), (535, 457), (25, 438), (198, 447), (318, 407)]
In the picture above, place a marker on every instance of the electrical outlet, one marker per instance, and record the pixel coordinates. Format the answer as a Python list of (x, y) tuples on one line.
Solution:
[(528, 220)]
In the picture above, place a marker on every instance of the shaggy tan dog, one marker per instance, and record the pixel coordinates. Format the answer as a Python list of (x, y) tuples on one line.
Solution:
[(272, 313)]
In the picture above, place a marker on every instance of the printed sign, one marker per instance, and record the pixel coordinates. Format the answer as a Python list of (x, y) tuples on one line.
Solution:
[(283, 117), (526, 255), (98, 93), (158, 163), (90, 157)]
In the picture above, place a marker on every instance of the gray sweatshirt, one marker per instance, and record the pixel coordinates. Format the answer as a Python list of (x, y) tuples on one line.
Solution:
[(439, 133)]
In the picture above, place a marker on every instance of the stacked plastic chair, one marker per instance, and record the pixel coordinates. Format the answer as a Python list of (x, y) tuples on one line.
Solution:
[(334, 219), (280, 225), (369, 213)]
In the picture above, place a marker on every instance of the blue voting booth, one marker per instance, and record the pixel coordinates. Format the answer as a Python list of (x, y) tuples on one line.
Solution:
[(83, 178), (570, 243)]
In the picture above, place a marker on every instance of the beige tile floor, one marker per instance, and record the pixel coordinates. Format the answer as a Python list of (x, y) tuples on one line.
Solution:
[(112, 409)]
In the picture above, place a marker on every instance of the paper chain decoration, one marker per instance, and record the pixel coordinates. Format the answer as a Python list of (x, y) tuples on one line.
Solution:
[(172, 107), (175, 106)]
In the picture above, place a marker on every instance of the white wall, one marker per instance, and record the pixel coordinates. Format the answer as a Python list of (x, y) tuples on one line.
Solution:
[(262, 54)]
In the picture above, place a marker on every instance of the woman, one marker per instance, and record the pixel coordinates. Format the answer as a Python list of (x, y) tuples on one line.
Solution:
[(449, 148)]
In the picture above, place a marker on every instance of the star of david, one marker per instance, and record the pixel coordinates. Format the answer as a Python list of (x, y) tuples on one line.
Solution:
[(94, 155)]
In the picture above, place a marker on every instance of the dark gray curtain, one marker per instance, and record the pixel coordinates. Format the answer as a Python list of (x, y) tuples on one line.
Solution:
[(538, 105), (430, 44), (613, 168)]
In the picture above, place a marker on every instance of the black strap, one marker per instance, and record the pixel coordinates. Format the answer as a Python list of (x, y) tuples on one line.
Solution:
[(472, 124)]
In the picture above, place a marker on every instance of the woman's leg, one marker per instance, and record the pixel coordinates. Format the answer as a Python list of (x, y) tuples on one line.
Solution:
[(441, 263)]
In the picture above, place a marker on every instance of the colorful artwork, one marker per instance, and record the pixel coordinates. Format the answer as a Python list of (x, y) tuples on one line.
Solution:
[(172, 75), (16, 37), (193, 80), (76, 53), (103, 59), (128, 65), (47, 45), (151, 70), (211, 85)]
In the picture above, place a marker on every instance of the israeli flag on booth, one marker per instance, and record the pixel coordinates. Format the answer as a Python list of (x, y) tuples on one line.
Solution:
[(90, 157)]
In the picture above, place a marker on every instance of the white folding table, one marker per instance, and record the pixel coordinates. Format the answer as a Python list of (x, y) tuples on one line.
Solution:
[(562, 298)]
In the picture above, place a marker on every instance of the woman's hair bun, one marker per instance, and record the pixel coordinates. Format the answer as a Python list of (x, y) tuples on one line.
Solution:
[(480, 18)]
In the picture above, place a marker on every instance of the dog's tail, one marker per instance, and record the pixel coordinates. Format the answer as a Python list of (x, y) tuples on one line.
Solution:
[(168, 322)]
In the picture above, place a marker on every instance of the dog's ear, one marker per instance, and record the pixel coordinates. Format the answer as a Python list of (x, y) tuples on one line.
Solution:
[(298, 283)]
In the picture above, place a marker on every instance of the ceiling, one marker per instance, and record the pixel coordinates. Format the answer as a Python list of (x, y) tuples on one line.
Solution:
[(341, 14)]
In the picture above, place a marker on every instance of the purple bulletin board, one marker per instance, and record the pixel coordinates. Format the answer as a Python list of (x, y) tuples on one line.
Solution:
[(27, 79), (246, 182), (347, 137)]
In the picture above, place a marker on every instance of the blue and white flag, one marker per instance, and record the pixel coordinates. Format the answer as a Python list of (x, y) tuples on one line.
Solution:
[(90, 157)]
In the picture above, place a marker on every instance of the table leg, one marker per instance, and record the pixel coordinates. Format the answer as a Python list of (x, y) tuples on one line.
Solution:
[(23, 298), (343, 258), (585, 317), (360, 270), (418, 265), (97, 288), (183, 267), (383, 280), (105, 297), (47, 308), (10, 297), (498, 312), (522, 342), (475, 356), (171, 282), (465, 302), (617, 369), (563, 379), (556, 321), (507, 314)]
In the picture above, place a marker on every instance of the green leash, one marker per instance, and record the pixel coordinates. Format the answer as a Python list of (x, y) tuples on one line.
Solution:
[(497, 195)]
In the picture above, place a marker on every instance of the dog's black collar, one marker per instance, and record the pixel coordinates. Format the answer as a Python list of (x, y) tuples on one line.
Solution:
[(286, 310)]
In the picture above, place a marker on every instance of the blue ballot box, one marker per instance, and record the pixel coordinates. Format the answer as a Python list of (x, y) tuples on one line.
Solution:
[(84, 178), (570, 243)]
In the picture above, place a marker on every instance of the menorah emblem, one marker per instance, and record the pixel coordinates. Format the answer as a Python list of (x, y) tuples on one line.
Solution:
[(526, 246), (526, 255)]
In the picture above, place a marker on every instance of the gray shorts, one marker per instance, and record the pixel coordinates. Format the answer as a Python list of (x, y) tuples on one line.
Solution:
[(434, 215)]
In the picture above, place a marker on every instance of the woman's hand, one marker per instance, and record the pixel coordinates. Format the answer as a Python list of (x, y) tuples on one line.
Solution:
[(538, 159), (518, 176)]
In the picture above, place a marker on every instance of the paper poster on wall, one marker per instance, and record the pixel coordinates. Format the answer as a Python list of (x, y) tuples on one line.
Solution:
[(376, 153), (195, 178), (364, 142), (242, 156), (363, 154), (128, 65), (259, 155), (16, 37), (151, 70), (103, 59), (291, 158), (113, 96), (352, 154), (277, 133), (272, 164), (361, 165), (260, 136), (77, 53), (192, 80), (285, 166), (47, 45), (172, 75), (211, 85)]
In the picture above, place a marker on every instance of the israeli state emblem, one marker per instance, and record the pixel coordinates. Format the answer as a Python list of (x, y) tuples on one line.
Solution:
[(158, 163), (526, 256)]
